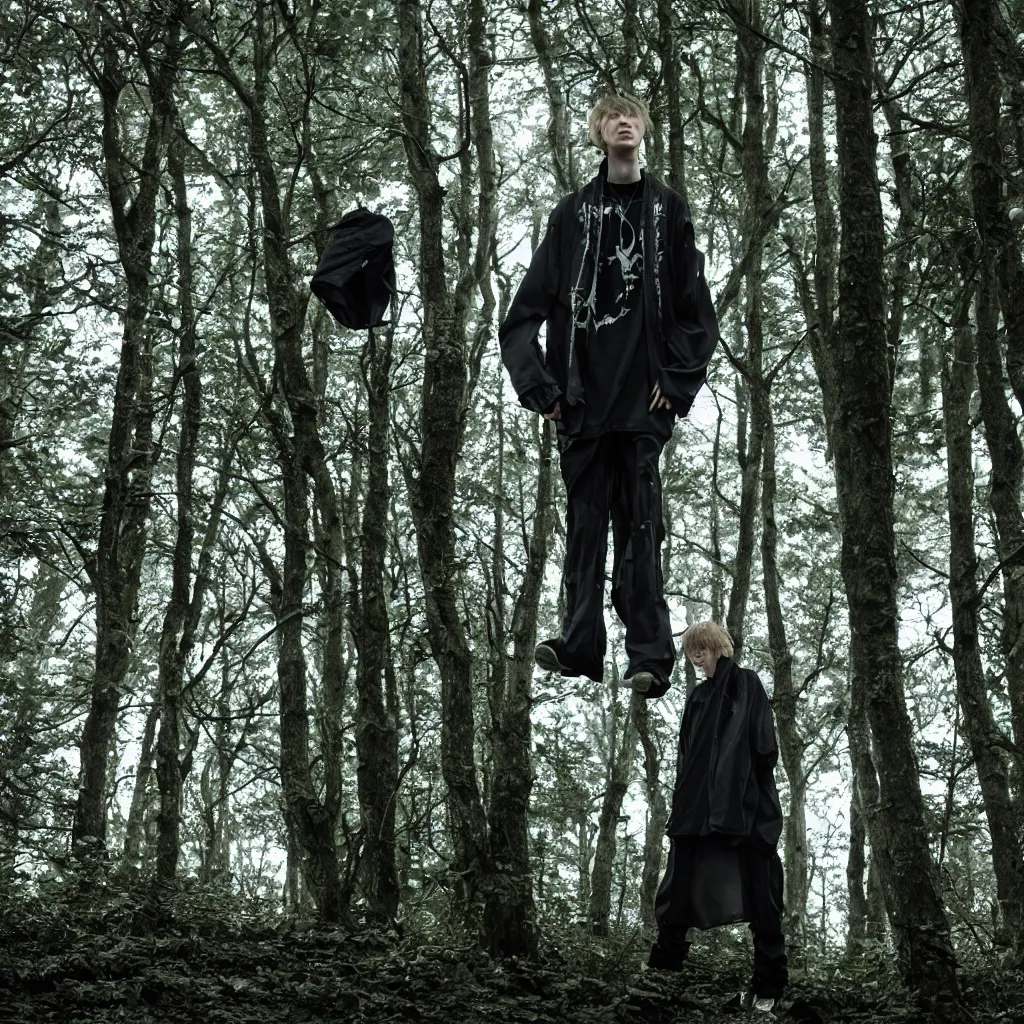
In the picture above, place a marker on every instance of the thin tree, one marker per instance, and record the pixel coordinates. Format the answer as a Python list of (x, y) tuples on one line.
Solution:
[(304, 467), (376, 711), (133, 183), (987, 742), (861, 435), (985, 39), (432, 484)]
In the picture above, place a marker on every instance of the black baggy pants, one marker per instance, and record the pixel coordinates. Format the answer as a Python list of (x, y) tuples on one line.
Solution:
[(762, 897), (615, 476)]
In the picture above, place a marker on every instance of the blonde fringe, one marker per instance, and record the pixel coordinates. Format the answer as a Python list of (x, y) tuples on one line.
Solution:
[(708, 636)]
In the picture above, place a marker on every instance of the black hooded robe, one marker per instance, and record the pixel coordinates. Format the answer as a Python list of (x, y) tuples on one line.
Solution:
[(725, 824)]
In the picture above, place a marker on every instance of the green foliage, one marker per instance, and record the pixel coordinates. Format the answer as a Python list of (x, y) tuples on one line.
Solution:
[(140, 955), (92, 901)]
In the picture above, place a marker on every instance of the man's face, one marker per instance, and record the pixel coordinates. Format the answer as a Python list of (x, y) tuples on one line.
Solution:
[(705, 661), (622, 131)]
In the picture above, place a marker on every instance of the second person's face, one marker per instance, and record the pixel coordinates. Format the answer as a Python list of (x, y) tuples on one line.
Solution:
[(705, 661)]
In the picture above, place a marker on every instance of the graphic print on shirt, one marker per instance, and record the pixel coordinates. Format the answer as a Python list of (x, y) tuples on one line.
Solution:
[(627, 257)]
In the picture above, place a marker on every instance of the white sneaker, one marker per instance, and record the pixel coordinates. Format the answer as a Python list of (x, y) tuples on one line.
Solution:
[(759, 1007)]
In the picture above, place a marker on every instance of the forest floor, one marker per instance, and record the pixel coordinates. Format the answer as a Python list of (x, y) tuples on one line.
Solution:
[(124, 961)]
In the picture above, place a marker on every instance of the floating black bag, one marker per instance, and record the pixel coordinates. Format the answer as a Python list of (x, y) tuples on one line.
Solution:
[(356, 276)]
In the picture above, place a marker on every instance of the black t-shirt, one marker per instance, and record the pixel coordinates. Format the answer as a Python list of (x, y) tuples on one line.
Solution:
[(616, 371)]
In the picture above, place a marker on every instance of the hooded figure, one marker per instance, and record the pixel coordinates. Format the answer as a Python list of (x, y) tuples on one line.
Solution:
[(726, 817), (630, 331), (356, 276)]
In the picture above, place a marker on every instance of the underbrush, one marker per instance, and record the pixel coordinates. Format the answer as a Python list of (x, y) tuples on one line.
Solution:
[(97, 949)]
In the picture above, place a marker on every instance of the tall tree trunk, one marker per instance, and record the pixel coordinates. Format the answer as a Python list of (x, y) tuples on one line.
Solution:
[(865, 790), (216, 796), (376, 727), (302, 459), (1001, 277), (717, 564), (626, 69), (750, 52), (856, 864), (820, 302), (877, 915), (750, 455), (509, 923), (983, 734), (329, 539), (584, 854), (987, 47), (906, 230), (791, 743), (117, 565), (442, 419), (176, 639), (559, 136), (292, 896), (328, 528), (135, 825), (671, 73), (1007, 459), (620, 774), (508, 914), (862, 441), (657, 819)]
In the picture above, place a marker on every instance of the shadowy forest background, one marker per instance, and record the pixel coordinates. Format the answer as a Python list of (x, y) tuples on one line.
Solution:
[(269, 589)]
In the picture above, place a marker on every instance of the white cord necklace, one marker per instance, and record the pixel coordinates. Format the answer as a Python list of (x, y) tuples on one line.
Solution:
[(623, 205)]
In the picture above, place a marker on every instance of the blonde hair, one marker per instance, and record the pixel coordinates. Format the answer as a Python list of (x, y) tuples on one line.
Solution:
[(615, 103), (710, 637)]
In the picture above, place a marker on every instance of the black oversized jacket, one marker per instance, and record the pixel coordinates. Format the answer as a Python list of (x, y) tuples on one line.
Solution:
[(560, 288), (742, 799)]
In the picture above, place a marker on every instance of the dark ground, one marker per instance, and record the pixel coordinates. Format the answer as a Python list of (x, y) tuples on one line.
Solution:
[(123, 959)]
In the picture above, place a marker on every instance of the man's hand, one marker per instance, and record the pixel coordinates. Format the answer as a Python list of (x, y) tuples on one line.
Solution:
[(555, 414), (658, 400)]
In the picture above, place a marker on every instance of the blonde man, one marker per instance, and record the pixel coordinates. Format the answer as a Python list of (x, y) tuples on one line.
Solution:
[(726, 818), (630, 331)]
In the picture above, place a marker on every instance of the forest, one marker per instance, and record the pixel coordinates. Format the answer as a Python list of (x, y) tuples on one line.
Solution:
[(272, 740)]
